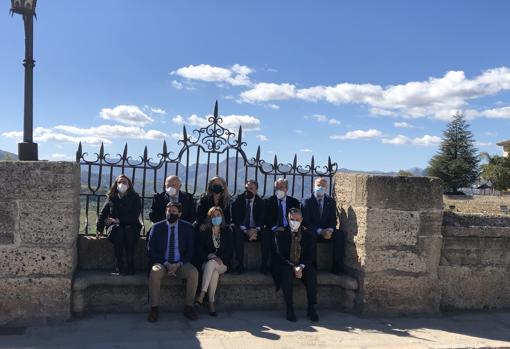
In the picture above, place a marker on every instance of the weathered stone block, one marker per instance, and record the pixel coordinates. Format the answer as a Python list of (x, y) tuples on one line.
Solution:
[(393, 295), (393, 261), (404, 193), (456, 257), (8, 221), (431, 222), (430, 247), (24, 261), (34, 300), (467, 287), (472, 243), (390, 228), (55, 224)]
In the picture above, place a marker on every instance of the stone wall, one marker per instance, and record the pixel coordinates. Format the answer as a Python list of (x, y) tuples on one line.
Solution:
[(484, 204), (393, 233), (39, 219), (475, 262)]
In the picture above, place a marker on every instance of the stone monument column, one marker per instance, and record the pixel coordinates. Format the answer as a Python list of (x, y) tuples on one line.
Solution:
[(39, 223), (393, 240)]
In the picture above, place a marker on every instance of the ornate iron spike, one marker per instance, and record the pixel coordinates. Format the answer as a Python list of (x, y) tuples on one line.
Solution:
[(275, 161), (240, 135), (124, 152), (216, 110), (294, 163), (257, 156), (145, 154), (165, 152), (101, 151), (330, 166), (78, 153), (312, 164), (184, 134)]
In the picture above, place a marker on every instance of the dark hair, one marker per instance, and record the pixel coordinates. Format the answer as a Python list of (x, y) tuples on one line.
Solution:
[(254, 182), (174, 204), (295, 210), (113, 191)]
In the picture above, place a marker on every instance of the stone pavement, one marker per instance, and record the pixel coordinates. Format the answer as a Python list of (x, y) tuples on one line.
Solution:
[(267, 329)]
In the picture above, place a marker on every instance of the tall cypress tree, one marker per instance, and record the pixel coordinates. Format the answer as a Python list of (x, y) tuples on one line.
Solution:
[(456, 162)]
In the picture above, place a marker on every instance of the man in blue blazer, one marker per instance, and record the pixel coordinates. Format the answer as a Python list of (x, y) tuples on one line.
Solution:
[(170, 250), (320, 216)]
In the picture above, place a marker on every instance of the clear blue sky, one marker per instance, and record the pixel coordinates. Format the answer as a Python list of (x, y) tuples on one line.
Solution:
[(370, 83)]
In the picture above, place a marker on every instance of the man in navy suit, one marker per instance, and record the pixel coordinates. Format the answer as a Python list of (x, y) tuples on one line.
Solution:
[(277, 210), (320, 216), (170, 250), (248, 219)]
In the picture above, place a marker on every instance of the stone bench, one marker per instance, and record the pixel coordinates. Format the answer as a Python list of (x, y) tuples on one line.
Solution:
[(95, 289)]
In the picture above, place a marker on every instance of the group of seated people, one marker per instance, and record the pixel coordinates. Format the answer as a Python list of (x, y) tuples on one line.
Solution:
[(209, 237)]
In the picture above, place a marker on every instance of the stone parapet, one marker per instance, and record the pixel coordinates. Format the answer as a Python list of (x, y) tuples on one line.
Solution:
[(39, 222), (393, 240)]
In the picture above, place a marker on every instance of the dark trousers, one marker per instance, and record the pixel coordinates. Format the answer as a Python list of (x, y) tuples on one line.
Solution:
[(124, 239), (338, 245), (265, 246), (309, 279)]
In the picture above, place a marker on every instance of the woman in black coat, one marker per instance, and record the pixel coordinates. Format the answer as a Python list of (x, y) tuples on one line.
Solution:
[(120, 216), (215, 251)]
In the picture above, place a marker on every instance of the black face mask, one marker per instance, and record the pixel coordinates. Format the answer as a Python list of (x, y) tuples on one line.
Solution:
[(249, 194), (172, 218), (217, 189)]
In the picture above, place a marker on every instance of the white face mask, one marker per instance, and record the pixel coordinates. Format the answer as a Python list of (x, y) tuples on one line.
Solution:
[(280, 194), (171, 191), (294, 225), (122, 188)]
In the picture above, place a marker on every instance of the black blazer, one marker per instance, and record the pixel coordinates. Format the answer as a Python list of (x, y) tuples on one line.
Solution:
[(160, 200), (271, 216), (204, 204), (127, 209), (311, 214), (158, 242), (239, 211), (225, 250), (281, 248)]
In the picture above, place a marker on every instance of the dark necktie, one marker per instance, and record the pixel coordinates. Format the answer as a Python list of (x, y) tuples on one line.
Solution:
[(247, 215), (171, 245), (279, 222), (320, 207)]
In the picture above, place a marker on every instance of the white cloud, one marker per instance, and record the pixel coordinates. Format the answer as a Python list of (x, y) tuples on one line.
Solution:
[(262, 138), (403, 125), (491, 134), (359, 134), (59, 156), (232, 122), (324, 118), (126, 114), (236, 75), (158, 111), (424, 141), (177, 85), (483, 144), (437, 97), (269, 92), (42, 135), (113, 131), (306, 150)]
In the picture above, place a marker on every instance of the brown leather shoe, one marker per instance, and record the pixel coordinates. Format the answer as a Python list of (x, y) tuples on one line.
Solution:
[(190, 313), (153, 314)]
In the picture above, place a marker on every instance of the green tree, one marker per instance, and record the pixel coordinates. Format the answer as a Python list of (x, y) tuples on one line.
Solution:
[(456, 162), (405, 173), (497, 171)]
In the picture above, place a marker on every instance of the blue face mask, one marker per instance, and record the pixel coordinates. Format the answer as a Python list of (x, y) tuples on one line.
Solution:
[(216, 220), (319, 191)]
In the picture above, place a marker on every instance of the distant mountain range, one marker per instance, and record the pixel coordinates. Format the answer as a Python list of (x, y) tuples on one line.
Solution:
[(5, 155)]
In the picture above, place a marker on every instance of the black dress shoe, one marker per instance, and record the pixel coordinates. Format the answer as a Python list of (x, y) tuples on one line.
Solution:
[(291, 316), (153, 314), (312, 314)]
